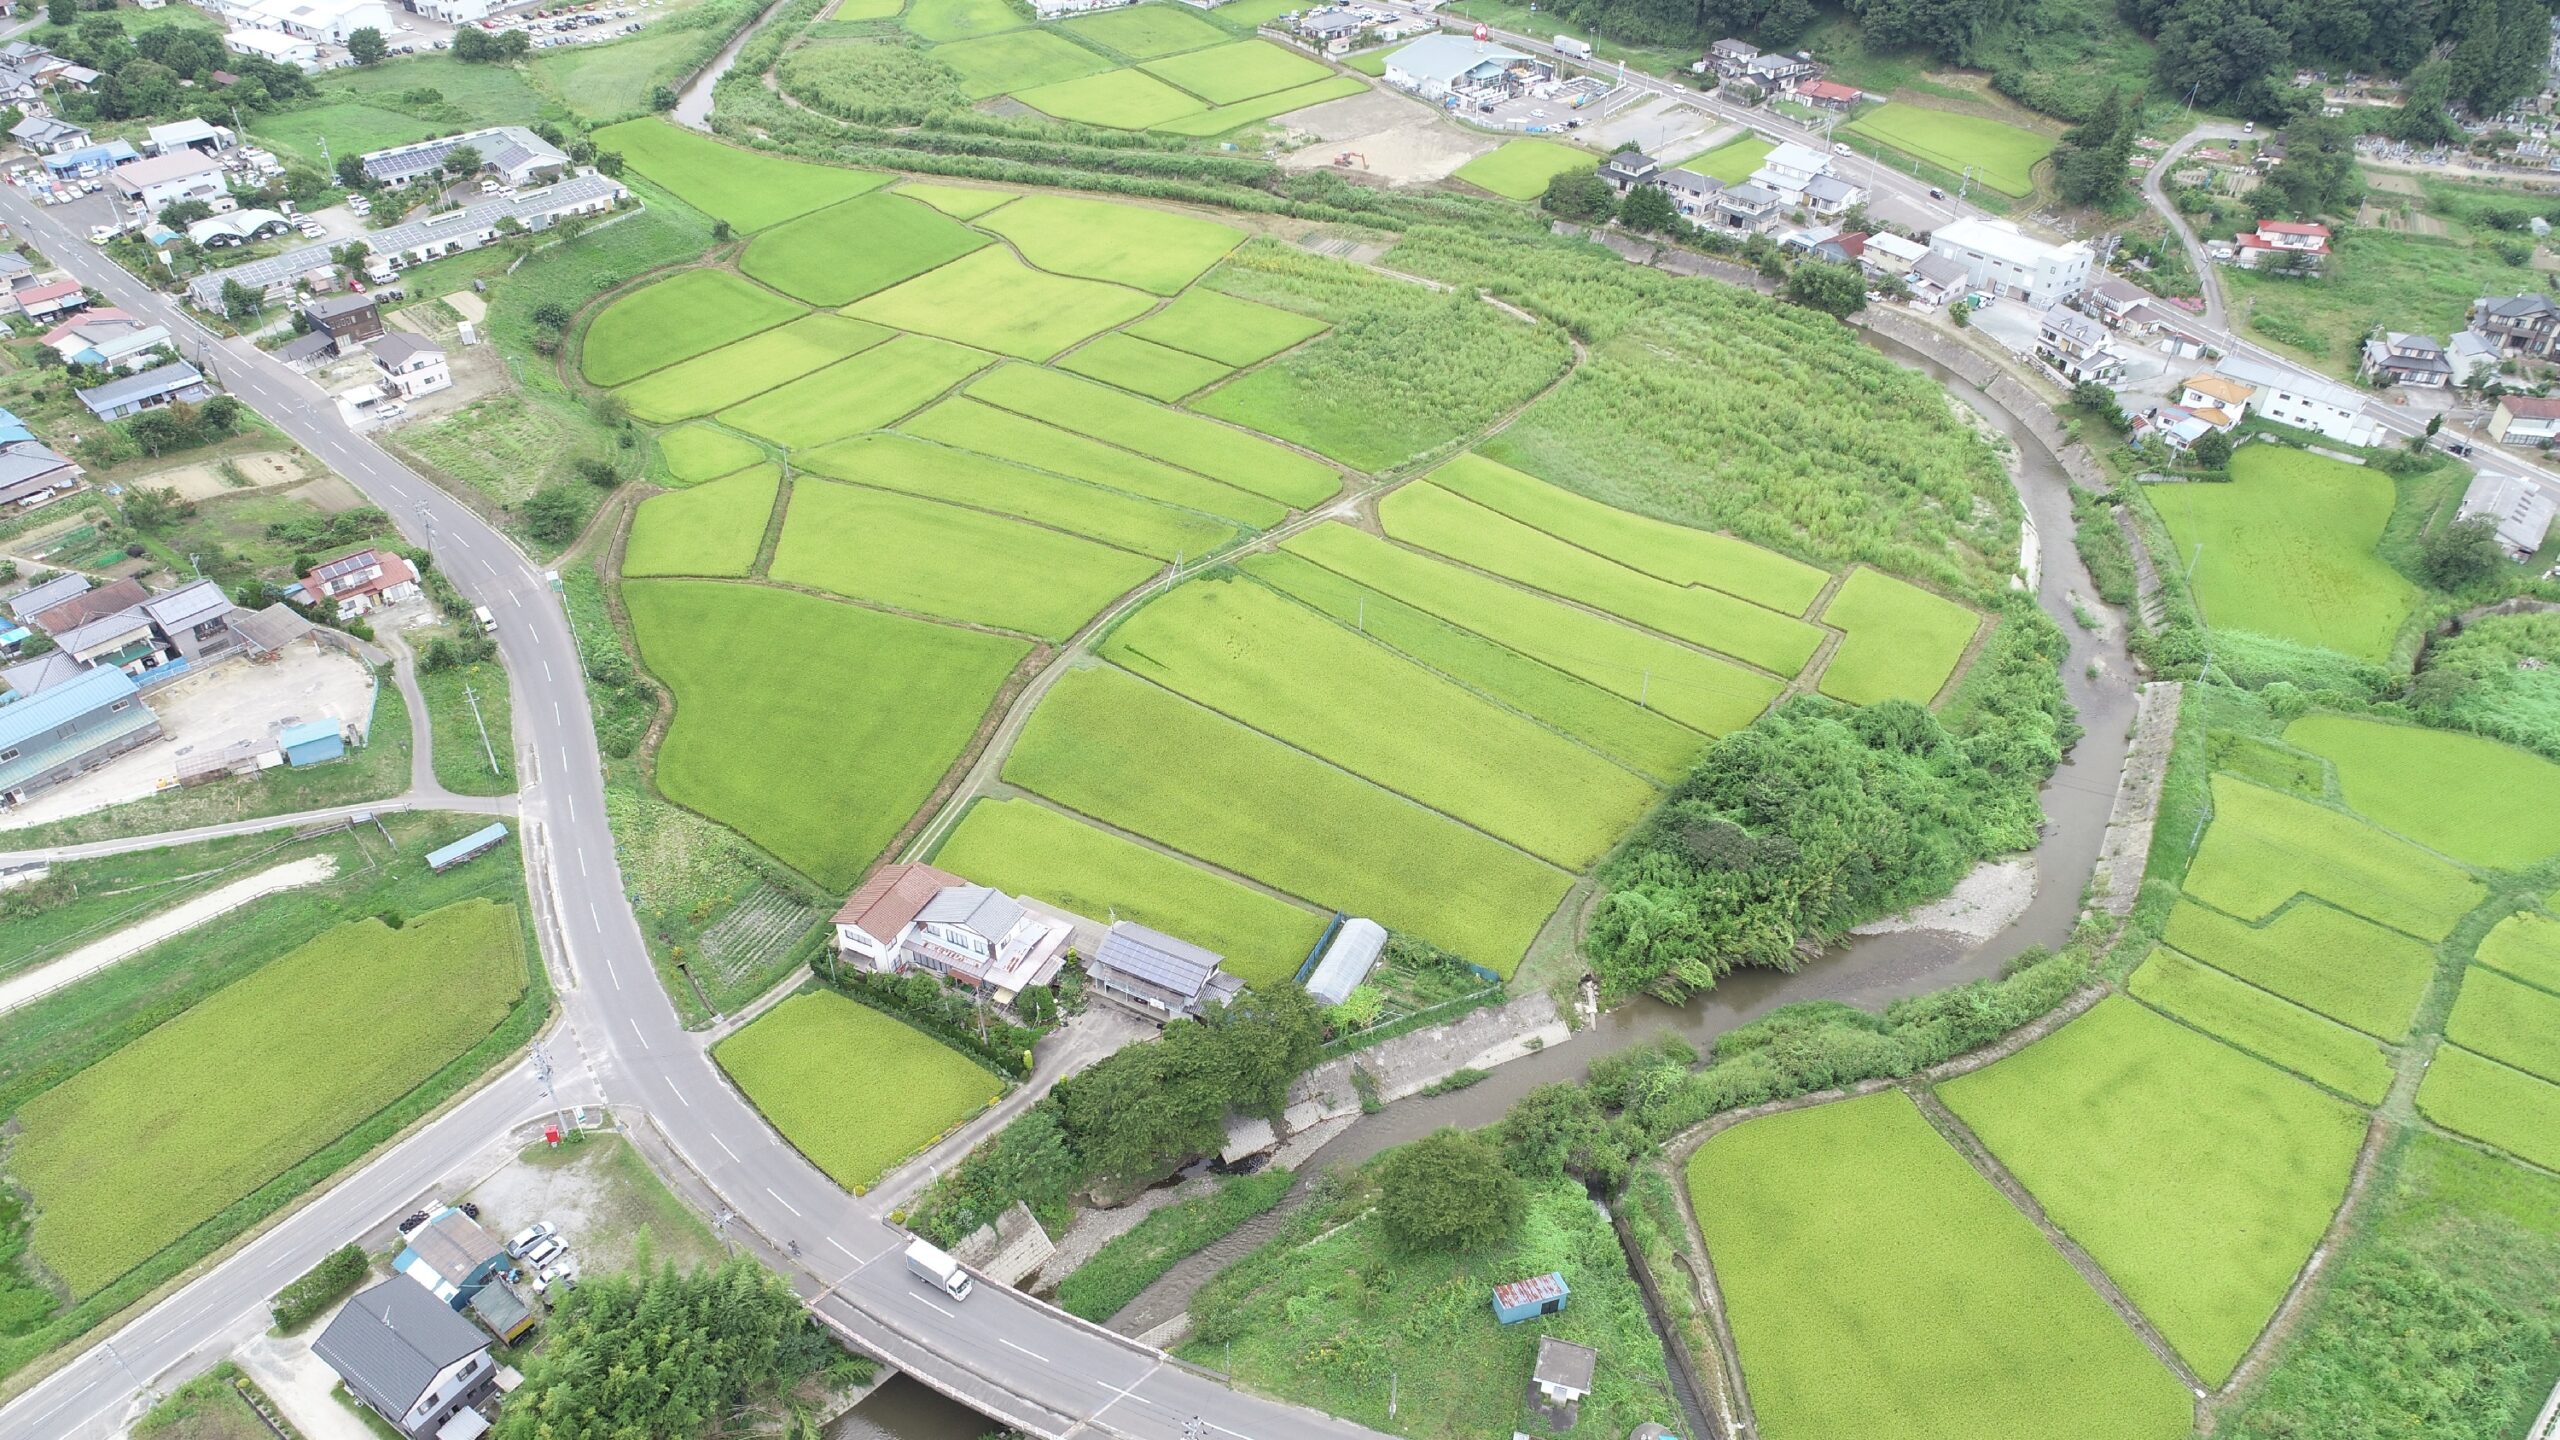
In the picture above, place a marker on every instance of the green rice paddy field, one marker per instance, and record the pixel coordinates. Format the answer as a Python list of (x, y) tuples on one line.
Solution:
[(853, 1121), (2288, 550), (1520, 169), (2479, 801), (2005, 155)]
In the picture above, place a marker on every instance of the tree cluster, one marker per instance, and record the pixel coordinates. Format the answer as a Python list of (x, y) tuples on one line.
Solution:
[(2096, 156), (140, 75), (2240, 54), (475, 46)]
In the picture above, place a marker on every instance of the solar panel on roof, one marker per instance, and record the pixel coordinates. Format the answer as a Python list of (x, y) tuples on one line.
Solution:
[(1157, 958)]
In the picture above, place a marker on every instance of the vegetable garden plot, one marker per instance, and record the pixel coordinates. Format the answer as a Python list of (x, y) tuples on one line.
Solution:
[(2263, 848), (676, 319)]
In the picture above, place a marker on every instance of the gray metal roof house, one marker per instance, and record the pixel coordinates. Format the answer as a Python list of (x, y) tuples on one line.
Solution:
[(69, 728), (29, 468), (133, 394), (1158, 976), (33, 601), (410, 1357), (512, 152)]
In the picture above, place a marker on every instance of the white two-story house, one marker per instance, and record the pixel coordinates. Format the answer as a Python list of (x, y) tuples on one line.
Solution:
[(913, 917)]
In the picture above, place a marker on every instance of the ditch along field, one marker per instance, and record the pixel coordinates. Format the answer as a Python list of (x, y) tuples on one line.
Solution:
[(2193, 1134), (1168, 68), (1005, 427), (160, 1107)]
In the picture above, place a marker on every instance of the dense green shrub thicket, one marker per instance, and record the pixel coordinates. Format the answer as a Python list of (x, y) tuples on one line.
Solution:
[(865, 80), (297, 1304), (1820, 817), (2499, 676)]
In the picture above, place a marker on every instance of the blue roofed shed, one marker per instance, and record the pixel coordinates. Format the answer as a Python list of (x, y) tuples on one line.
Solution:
[(71, 727), (479, 842), (313, 742), (1517, 1300)]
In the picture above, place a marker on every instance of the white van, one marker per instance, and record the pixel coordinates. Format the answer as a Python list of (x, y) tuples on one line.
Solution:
[(488, 622)]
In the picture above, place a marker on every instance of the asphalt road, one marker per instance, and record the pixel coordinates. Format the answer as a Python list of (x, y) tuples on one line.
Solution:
[(1000, 1351)]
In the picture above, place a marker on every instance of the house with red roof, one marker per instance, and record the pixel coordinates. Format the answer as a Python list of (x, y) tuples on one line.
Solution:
[(2281, 242), (1829, 94), (364, 580)]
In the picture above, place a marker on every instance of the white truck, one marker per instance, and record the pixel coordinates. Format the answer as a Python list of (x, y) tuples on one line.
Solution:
[(1578, 49), (937, 1269)]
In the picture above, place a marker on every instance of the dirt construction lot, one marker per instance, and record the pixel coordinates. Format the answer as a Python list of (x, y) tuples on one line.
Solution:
[(1395, 139), (204, 482)]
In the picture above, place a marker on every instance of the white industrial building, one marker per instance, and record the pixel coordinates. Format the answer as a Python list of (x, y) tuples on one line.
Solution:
[(2001, 259), (163, 180), (276, 46), (1438, 66), (2515, 505), (326, 22)]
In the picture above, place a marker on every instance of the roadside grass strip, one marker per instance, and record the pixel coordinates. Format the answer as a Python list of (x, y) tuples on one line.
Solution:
[(2005, 156), (2265, 1025), (1708, 694), (961, 477), (676, 319), (853, 1121), (1144, 366), (1876, 1285), (1017, 60), (1229, 73), (1447, 524), (2200, 1177), (1897, 641), (2526, 946), (933, 559), (960, 202), (711, 529), (946, 20), (1248, 653), (1109, 745), (1147, 32), (1680, 554), (987, 430), (1225, 329), (1217, 451), (1732, 162), (1025, 848), (2508, 1021), (844, 252), (862, 393), (1115, 99), (2480, 801), (2263, 848), (1520, 169), (819, 775), (2360, 974), (991, 300), (1153, 250), (130, 1154), (1129, 1262), (2289, 550), (737, 372), (695, 453), (2494, 1104), (748, 188), (1219, 119), (1645, 741)]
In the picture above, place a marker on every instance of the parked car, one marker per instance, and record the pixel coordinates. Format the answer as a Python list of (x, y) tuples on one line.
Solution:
[(528, 1237), (543, 1252)]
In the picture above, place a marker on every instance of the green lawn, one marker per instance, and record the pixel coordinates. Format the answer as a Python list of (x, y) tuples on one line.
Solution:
[(739, 659), (1147, 32), (462, 762), (1144, 366), (2494, 1104), (1139, 757), (347, 128), (2265, 1025), (1877, 1286), (1120, 99), (2200, 1177), (1897, 641), (1026, 848), (1681, 554), (165, 1134), (1464, 531), (2510, 1022), (1520, 169), (862, 393), (932, 559), (2289, 550), (2526, 946), (857, 1120), (676, 319), (960, 202), (747, 188), (993, 301), (1646, 741), (2263, 848), (698, 452), (2006, 155), (1709, 695), (2482, 802), (1240, 71), (613, 82), (961, 477), (732, 373), (1134, 245), (1226, 329), (1248, 653), (1217, 451), (2341, 965), (987, 430), (1017, 60), (962, 19), (847, 251), (712, 529), (1732, 162), (1219, 119)]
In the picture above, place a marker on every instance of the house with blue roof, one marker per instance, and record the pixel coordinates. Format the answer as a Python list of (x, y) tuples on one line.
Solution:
[(69, 729)]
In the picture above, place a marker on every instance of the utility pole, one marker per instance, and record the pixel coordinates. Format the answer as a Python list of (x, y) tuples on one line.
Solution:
[(720, 1228), (542, 1076), (473, 700)]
